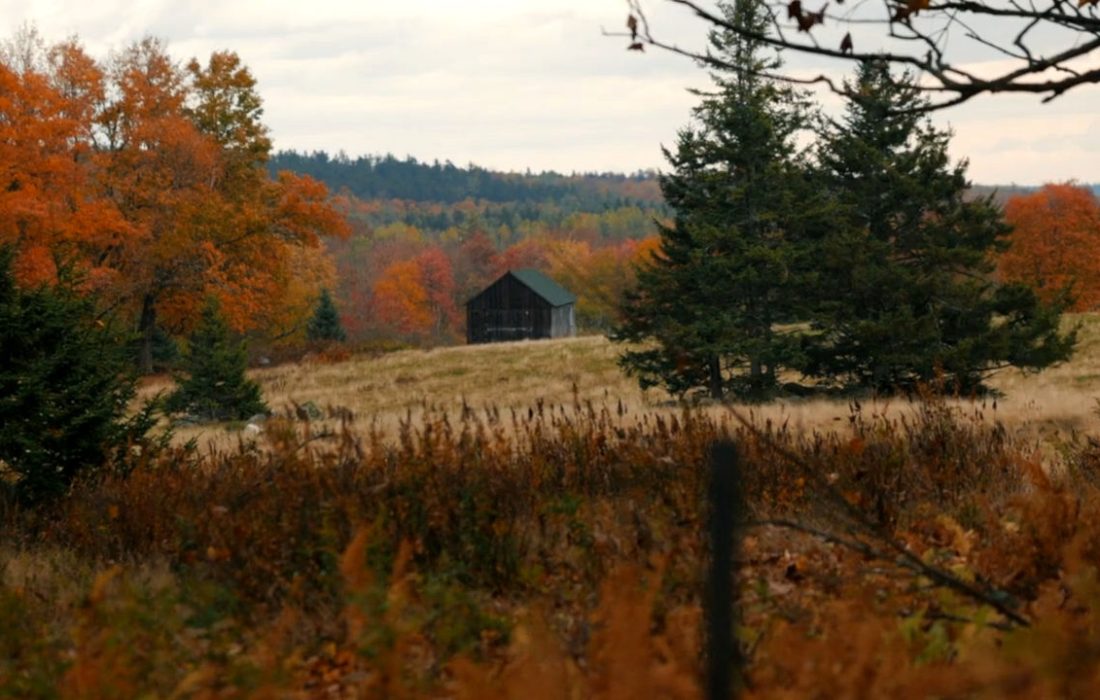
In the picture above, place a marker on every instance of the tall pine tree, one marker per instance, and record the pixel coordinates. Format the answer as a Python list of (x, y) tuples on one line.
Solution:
[(705, 312), (906, 293)]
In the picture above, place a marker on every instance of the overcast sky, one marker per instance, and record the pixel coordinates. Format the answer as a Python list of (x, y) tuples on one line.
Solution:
[(508, 84)]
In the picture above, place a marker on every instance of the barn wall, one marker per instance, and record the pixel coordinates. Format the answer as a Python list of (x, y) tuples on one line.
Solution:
[(562, 323), (507, 310)]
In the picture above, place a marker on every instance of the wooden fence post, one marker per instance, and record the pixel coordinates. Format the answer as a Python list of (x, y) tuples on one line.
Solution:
[(722, 653)]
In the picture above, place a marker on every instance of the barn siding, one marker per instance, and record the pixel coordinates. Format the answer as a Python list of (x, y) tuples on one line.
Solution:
[(562, 323), (510, 310)]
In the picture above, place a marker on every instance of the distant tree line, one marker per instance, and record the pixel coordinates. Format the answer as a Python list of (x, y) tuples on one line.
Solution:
[(507, 221), (426, 237), (389, 177)]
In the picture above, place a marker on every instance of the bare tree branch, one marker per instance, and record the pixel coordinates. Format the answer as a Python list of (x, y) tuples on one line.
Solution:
[(914, 565), (861, 529), (1049, 49)]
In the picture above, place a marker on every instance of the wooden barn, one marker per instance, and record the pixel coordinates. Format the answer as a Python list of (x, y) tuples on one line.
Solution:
[(522, 304)]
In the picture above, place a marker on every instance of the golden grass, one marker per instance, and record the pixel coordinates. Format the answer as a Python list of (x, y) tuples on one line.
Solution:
[(385, 389), (382, 390)]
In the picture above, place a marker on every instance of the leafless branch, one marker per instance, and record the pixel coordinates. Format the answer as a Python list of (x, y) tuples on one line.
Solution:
[(862, 529), (1050, 48), (913, 565)]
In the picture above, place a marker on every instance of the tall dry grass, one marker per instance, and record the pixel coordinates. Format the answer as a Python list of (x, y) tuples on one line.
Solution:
[(521, 521), (561, 547)]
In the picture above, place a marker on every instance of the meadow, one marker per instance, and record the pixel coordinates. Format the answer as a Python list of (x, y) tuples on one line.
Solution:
[(380, 390), (520, 520)]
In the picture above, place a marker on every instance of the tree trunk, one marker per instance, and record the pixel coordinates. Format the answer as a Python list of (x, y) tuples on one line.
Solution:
[(763, 368), (147, 328), (715, 379)]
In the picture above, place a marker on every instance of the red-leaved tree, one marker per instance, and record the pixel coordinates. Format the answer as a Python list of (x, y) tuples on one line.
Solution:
[(1055, 243)]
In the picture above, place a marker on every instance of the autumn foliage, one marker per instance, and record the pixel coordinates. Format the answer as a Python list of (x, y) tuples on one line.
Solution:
[(404, 282), (1055, 243), (150, 178), (489, 552)]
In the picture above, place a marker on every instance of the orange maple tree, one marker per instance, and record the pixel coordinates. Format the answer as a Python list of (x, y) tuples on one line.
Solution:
[(476, 262), (1055, 243), (437, 277), (48, 211), (400, 299), (152, 179), (599, 276), (415, 297)]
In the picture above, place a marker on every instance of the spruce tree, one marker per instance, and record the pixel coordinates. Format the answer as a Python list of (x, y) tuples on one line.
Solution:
[(325, 323), (905, 292), (706, 311), (215, 386), (64, 388)]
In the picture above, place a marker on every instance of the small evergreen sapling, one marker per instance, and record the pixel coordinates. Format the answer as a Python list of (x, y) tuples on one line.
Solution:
[(215, 387), (325, 324)]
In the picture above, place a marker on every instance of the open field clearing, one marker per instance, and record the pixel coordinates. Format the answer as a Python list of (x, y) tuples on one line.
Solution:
[(380, 391)]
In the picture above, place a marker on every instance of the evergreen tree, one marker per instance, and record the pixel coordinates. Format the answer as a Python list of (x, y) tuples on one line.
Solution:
[(215, 387), (325, 324), (906, 293), (64, 389), (706, 310)]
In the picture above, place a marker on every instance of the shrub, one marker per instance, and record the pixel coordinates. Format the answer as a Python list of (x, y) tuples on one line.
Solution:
[(215, 387)]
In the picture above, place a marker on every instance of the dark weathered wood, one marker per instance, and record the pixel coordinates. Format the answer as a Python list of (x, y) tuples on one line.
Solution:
[(562, 324), (723, 654), (509, 310)]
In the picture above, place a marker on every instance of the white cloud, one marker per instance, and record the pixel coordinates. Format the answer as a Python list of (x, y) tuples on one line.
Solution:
[(505, 83)]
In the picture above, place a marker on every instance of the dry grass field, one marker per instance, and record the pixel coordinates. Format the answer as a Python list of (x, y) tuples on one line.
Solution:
[(382, 390), (520, 521)]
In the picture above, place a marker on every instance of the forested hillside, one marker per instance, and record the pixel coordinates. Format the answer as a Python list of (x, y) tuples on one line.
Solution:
[(436, 198), (387, 177), (426, 237), (1002, 193)]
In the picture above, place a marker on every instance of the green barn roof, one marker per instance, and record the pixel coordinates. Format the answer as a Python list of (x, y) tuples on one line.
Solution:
[(548, 289)]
